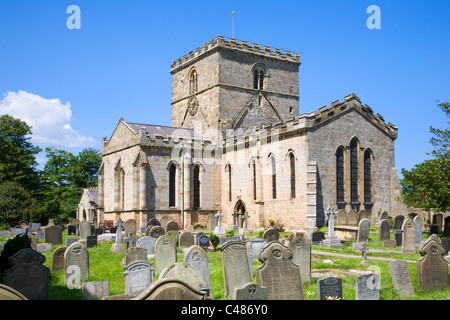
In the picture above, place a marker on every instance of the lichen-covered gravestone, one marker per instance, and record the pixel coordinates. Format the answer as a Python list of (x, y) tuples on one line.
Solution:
[(384, 230), (300, 246), (53, 234), (408, 236), (432, 268), (271, 235), (76, 264), (401, 278), (138, 276), (155, 231), (185, 272), (278, 273), (352, 218), (135, 254), (363, 230), (198, 258), (147, 243), (236, 272), (186, 239), (165, 253)]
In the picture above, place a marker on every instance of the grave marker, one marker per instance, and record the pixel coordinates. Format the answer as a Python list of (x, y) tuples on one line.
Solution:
[(165, 253), (432, 268), (300, 246), (329, 288), (408, 236), (198, 258), (367, 287), (138, 276), (76, 255), (401, 278)]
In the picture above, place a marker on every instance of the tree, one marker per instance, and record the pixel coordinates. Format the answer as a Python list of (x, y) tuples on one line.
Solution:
[(18, 154), (14, 200), (427, 185)]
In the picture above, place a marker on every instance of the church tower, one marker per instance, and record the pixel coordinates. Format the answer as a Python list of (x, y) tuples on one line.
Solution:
[(228, 85)]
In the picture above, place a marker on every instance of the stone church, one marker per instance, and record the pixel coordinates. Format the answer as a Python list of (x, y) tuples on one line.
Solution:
[(239, 144)]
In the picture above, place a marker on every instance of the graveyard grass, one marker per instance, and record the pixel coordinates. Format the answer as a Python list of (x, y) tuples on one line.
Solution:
[(105, 266)]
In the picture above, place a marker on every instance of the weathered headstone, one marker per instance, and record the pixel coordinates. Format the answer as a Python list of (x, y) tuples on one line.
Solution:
[(148, 243), (447, 226), (438, 219), (171, 226), (432, 268), (53, 235), (153, 222), (352, 218), (186, 240), (201, 240), (34, 226), (165, 253), (198, 258), (211, 222), (317, 237), (185, 272), (363, 230), (389, 243), (95, 290), (27, 274), (384, 215), (341, 218), (138, 276), (398, 235), (58, 259), (235, 266), (401, 278), (367, 287), (419, 226), (91, 241), (76, 263), (398, 221), (69, 241), (171, 289), (135, 254), (271, 235), (8, 293), (329, 288), (130, 227), (384, 230), (300, 246), (251, 291), (254, 246), (363, 214), (155, 231), (84, 229), (278, 273), (408, 236)]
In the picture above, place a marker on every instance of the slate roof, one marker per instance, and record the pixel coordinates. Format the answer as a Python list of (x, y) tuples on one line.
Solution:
[(163, 130)]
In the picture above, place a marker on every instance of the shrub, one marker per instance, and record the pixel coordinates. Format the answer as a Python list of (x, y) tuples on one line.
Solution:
[(214, 241), (12, 246), (229, 233)]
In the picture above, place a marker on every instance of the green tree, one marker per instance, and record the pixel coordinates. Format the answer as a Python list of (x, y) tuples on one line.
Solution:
[(18, 154), (14, 200), (427, 185)]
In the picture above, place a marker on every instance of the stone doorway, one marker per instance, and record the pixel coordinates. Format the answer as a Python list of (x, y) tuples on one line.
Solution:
[(239, 211)]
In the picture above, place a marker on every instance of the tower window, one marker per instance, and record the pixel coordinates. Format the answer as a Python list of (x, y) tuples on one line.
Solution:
[(193, 82), (367, 179), (354, 172), (259, 73), (340, 178), (172, 172)]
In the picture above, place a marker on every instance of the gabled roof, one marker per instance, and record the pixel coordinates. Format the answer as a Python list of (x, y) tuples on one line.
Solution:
[(163, 131)]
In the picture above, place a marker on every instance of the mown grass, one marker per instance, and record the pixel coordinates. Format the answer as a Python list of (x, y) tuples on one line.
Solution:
[(105, 266)]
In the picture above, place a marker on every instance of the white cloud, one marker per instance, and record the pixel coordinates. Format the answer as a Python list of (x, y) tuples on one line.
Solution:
[(49, 119)]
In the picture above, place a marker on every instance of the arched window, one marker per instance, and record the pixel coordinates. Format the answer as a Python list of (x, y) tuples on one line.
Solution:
[(340, 178), (122, 188), (228, 169), (172, 173), (255, 79), (196, 187), (260, 71), (292, 173), (274, 178), (354, 173), (367, 179), (193, 82), (261, 80), (254, 179)]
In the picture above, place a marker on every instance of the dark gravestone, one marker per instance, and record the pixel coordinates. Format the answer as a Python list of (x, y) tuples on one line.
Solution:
[(53, 235), (72, 229), (446, 244), (317, 237), (398, 234), (27, 274), (91, 241), (432, 268), (447, 226), (202, 240), (329, 288), (434, 229)]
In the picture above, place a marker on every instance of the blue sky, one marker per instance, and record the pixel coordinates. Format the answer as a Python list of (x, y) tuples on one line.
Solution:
[(74, 85)]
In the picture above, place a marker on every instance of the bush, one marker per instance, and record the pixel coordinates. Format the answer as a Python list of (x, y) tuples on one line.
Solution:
[(36, 214), (12, 246), (214, 241), (229, 233), (14, 199)]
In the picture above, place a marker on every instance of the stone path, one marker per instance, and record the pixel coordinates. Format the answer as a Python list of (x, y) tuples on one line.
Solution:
[(317, 252)]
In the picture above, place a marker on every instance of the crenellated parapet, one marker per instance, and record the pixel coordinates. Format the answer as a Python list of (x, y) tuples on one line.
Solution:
[(234, 44)]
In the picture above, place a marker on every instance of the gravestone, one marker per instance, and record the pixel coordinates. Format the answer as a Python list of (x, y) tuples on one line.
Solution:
[(389, 243), (447, 226), (91, 241), (76, 255), (118, 246), (165, 253), (235, 268), (197, 258), (367, 287), (186, 240), (69, 241), (254, 246), (300, 246), (408, 236), (222, 240), (271, 235), (58, 259), (432, 268), (27, 274), (384, 215), (155, 231), (34, 226), (95, 290), (170, 289), (278, 273), (147, 243), (341, 218), (130, 227), (434, 229), (251, 291), (8, 293), (419, 226), (135, 254), (362, 214), (100, 230), (352, 218), (401, 278), (329, 288), (363, 230), (317, 237), (153, 222), (398, 222), (185, 272), (211, 222), (201, 240), (384, 230), (33, 241), (398, 237), (131, 241), (171, 226), (84, 229), (53, 235), (219, 230), (72, 230), (438, 219), (138, 276)]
